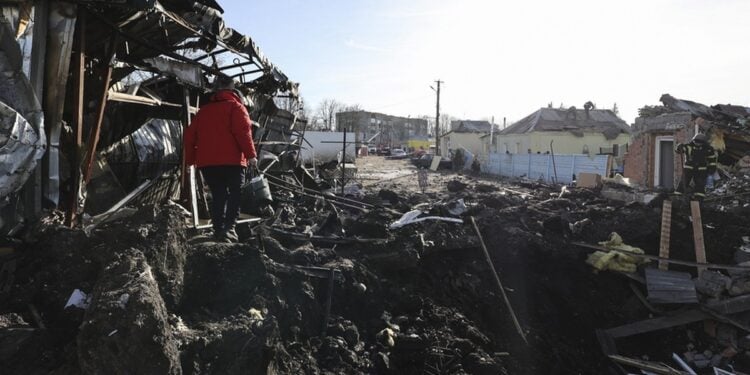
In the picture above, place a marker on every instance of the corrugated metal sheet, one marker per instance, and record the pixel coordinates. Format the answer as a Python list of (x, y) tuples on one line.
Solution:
[(20, 149), (146, 154), (536, 166), (670, 287)]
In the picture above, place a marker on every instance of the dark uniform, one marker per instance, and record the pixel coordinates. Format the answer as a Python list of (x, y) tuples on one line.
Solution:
[(700, 162)]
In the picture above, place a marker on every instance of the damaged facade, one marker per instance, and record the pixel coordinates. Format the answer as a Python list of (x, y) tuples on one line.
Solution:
[(378, 129), (651, 160), (403, 272), (119, 81)]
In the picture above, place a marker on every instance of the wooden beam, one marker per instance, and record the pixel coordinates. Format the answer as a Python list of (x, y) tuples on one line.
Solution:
[(73, 205), (96, 131), (666, 229), (654, 367), (726, 307), (700, 250)]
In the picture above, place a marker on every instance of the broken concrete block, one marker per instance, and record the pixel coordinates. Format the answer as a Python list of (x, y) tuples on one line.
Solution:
[(712, 283), (589, 180)]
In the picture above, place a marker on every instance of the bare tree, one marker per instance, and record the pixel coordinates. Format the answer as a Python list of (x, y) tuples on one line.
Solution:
[(327, 112), (446, 121), (351, 108)]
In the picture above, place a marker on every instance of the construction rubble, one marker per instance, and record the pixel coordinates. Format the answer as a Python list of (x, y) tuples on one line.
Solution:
[(355, 265), (327, 288)]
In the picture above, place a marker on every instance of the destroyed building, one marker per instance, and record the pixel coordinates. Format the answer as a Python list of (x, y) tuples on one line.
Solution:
[(467, 134), (372, 128), (651, 160), (105, 267), (574, 131), (102, 91)]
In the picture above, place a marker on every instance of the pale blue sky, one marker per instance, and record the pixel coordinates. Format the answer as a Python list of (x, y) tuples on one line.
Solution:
[(504, 58)]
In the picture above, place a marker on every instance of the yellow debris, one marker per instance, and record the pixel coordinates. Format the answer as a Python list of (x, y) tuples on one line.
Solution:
[(617, 259)]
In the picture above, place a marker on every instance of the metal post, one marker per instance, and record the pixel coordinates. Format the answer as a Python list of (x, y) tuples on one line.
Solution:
[(437, 120), (185, 122), (552, 151), (343, 164), (33, 191)]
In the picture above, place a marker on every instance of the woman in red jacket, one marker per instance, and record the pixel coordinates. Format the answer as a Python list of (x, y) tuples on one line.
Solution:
[(219, 142)]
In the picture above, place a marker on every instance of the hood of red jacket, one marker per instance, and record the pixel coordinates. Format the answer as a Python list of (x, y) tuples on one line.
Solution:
[(223, 95)]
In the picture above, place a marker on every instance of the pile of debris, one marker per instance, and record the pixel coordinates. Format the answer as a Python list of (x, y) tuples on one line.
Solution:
[(400, 286)]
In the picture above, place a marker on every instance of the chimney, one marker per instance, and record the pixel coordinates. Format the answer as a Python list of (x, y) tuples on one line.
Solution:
[(588, 106)]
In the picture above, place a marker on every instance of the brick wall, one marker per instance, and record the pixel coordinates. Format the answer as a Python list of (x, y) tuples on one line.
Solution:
[(637, 162), (640, 161)]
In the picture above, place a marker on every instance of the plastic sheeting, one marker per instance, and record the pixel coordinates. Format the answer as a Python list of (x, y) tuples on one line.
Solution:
[(20, 150)]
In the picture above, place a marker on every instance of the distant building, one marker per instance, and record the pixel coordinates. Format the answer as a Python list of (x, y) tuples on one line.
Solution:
[(382, 130), (466, 134), (574, 131)]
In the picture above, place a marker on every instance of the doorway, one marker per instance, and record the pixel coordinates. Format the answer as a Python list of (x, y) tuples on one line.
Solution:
[(664, 176)]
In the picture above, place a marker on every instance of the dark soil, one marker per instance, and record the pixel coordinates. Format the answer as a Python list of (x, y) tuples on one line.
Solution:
[(420, 299)]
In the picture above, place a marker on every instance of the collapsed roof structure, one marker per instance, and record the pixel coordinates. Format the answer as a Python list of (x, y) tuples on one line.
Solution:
[(725, 121), (95, 95), (575, 121)]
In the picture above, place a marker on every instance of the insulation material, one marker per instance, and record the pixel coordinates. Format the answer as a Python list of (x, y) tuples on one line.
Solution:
[(717, 140), (617, 259)]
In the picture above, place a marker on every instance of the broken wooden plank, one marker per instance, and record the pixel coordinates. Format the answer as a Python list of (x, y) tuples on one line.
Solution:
[(670, 287), (725, 307), (700, 250), (666, 230), (655, 367)]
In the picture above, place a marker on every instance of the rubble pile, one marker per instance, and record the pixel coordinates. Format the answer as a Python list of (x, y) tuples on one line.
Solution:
[(326, 289)]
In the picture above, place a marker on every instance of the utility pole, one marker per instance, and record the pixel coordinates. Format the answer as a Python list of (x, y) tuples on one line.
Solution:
[(437, 118)]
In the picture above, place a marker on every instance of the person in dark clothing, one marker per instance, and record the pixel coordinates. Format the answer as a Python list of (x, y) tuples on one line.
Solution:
[(476, 166), (219, 143), (458, 159), (700, 161)]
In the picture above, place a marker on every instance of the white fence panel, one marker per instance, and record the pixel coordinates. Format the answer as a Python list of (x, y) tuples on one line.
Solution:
[(545, 167)]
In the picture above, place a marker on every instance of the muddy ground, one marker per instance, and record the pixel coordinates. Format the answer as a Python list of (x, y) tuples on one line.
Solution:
[(165, 299)]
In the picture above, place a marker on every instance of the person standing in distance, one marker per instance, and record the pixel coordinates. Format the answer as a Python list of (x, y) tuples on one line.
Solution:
[(700, 162), (219, 142)]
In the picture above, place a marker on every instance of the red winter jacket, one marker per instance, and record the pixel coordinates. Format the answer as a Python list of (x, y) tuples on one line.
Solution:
[(220, 133)]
